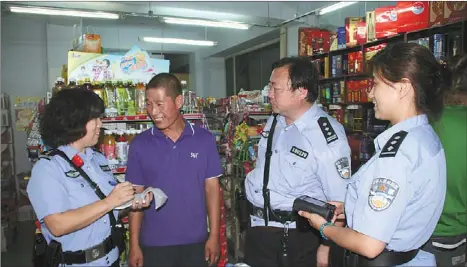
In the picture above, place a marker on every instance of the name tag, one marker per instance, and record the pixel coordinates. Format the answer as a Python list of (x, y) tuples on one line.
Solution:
[(298, 152)]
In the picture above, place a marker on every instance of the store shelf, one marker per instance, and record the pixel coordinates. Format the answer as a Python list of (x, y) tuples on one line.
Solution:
[(194, 116), (138, 118)]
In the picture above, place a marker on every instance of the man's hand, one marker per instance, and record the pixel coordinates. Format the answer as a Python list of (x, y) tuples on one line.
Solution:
[(212, 250), (322, 256), (136, 257)]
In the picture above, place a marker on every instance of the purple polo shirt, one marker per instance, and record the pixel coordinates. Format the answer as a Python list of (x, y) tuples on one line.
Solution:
[(180, 170)]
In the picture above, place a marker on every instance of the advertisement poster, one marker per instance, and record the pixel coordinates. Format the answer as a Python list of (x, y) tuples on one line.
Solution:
[(136, 65), (25, 108)]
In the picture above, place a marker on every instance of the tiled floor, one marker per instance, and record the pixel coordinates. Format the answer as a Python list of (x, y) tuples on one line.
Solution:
[(20, 253)]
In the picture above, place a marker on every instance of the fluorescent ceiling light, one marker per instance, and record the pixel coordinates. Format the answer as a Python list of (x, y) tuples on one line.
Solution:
[(335, 7), (207, 23), (64, 12), (178, 41)]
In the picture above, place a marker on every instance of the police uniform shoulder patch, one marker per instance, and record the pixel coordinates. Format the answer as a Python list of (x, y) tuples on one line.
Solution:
[(343, 167), (299, 152), (72, 174), (327, 130), (392, 145), (382, 193)]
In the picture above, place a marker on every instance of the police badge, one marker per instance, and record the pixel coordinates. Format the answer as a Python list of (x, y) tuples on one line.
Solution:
[(72, 174), (382, 193), (343, 167)]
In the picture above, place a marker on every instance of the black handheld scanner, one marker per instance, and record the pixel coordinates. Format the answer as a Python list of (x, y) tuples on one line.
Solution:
[(314, 205)]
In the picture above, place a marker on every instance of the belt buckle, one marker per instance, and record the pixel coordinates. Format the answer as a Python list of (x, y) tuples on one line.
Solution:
[(259, 213), (94, 253)]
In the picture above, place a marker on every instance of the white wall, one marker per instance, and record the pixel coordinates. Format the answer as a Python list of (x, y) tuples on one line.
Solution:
[(24, 69)]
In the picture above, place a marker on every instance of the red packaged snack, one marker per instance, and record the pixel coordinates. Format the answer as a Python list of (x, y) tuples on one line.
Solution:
[(386, 21), (412, 15), (361, 32)]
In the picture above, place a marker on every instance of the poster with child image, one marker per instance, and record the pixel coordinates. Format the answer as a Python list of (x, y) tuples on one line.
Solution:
[(136, 65)]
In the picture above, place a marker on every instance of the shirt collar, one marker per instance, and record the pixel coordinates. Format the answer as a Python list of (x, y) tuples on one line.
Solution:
[(188, 130), (404, 125), (71, 152), (304, 120)]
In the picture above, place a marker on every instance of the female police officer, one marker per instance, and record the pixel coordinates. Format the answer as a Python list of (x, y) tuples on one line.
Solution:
[(66, 205), (396, 199)]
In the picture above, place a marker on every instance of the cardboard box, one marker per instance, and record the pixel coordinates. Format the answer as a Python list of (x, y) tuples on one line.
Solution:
[(412, 15), (351, 25), (361, 33), (306, 37), (436, 13), (455, 11), (386, 21), (341, 38)]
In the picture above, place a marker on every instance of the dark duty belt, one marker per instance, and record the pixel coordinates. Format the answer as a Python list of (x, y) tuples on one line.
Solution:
[(280, 215), (91, 254), (386, 258)]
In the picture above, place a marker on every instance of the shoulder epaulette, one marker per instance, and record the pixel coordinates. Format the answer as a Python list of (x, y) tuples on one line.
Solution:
[(97, 151), (327, 130), (392, 145)]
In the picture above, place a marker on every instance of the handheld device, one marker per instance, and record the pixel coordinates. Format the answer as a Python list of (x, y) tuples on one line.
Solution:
[(314, 205)]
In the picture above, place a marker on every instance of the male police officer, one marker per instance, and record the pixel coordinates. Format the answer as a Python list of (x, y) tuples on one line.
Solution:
[(309, 156)]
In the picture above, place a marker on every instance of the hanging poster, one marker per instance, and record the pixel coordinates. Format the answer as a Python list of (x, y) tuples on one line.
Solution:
[(136, 65), (25, 109)]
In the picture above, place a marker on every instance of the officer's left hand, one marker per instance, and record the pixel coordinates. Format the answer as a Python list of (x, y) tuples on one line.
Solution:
[(314, 219), (137, 205), (212, 250)]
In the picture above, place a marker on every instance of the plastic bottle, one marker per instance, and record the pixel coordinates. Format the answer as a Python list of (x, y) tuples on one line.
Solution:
[(140, 99), (87, 84), (59, 85), (122, 149), (109, 145), (121, 98), (72, 84), (109, 92), (130, 91), (97, 89)]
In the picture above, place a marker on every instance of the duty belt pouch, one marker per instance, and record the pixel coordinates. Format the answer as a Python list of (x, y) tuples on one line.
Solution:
[(243, 208), (40, 250), (117, 231), (54, 254)]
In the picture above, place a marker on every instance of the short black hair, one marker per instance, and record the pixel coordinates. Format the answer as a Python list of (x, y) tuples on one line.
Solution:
[(64, 119), (417, 63), (170, 82), (302, 73)]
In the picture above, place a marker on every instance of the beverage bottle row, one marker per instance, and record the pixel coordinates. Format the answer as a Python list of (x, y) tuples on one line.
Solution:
[(120, 98), (115, 144)]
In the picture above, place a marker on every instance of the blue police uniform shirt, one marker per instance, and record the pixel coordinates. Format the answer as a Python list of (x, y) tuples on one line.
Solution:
[(398, 195), (56, 187), (310, 157)]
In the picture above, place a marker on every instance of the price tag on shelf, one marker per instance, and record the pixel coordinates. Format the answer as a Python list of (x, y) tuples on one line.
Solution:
[(353, 107), (334, 107)]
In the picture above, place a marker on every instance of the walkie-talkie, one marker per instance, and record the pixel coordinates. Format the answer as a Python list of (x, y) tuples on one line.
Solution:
[(313, 205)]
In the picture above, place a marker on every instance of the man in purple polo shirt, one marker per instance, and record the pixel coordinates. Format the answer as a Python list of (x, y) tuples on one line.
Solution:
[(183, 161)]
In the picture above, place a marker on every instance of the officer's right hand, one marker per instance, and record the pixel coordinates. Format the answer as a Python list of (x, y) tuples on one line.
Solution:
[(339, 212), (136, 257), (121, 194)]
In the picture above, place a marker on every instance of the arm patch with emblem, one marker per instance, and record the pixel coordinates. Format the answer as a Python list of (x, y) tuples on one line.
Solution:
[(327, 130), (392, 145)]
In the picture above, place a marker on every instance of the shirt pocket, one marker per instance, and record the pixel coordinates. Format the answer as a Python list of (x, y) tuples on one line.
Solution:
[(80, 192), (294, 169)]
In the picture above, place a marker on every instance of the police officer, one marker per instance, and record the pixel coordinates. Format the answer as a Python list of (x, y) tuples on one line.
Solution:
[(395, 200), (309, 156), (70, 212)]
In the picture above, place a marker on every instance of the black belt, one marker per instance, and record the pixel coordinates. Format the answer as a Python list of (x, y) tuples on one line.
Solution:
[(91, 254), (386, 258), (280, 215)]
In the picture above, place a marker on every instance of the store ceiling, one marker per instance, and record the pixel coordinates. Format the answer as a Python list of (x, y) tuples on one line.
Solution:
[(256, 13)]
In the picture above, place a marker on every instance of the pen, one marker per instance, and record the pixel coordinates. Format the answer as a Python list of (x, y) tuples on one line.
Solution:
[(114, 183)]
